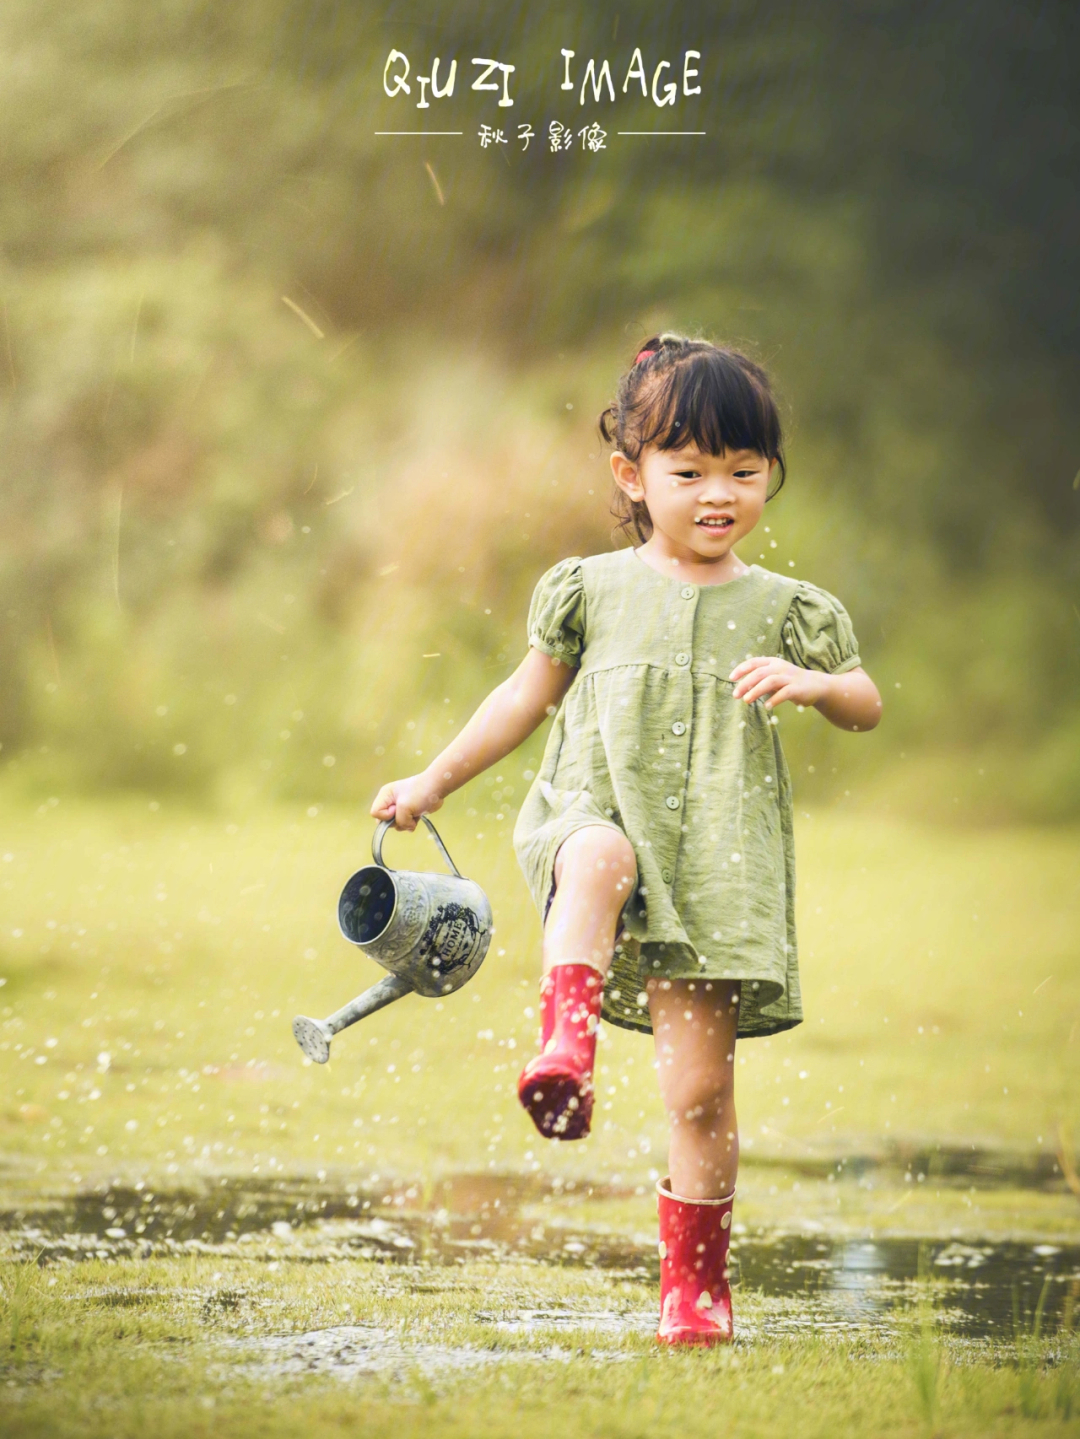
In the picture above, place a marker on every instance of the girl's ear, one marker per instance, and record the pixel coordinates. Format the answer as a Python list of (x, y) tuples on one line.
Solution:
[(626, 476)]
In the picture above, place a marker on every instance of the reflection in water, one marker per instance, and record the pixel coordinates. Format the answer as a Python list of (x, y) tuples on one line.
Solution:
[(856, 1274)]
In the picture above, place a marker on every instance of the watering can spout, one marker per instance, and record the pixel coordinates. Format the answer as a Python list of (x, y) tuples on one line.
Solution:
[(314, 1035)]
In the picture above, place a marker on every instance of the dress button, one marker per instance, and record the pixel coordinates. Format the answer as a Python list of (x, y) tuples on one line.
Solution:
[(682, 658), (673, 801), (678, 727), (687, 592), (666, 875)]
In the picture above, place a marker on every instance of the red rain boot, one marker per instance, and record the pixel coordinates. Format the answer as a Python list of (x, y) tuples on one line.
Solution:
[(695, 1297), (556, 1087), (547, 1009)]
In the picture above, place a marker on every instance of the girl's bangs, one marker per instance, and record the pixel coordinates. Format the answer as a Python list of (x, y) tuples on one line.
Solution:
[(711, 402)]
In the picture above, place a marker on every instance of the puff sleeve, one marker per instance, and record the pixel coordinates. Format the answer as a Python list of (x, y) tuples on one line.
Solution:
[(557, 612), (817, 634)]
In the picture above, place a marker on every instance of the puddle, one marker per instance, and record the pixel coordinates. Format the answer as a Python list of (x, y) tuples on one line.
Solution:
[(462, 1218), (960, 1166), (803, 1280), (860, 1282), (607, 1322), (355, 1351)]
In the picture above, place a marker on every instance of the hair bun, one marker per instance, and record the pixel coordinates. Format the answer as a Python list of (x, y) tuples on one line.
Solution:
[(653, 343)]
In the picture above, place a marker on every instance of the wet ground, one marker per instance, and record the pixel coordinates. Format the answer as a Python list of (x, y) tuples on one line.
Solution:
[(809, 1277)]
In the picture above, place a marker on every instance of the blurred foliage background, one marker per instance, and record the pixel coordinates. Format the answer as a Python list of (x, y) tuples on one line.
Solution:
[(295, 415)]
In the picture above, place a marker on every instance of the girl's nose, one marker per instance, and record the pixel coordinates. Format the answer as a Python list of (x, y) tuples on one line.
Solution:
[(716, 487)]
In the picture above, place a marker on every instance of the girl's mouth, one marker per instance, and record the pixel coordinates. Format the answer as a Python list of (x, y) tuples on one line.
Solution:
[(716, 524)]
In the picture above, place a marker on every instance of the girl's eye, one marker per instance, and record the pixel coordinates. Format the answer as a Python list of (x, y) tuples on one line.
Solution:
[(745, 474), (688, 474)]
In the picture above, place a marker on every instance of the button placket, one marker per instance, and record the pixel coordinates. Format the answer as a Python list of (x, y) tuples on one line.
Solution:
[(674, 802)]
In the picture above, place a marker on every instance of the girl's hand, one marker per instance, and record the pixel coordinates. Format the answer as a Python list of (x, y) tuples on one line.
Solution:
[(849, 700), (405, 800), (780, 680)]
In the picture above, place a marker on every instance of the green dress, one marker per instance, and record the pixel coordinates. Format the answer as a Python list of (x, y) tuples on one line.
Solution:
[(650, 740)]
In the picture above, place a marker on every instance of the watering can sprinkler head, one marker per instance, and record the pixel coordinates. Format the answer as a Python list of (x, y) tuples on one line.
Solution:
[(431, 931)]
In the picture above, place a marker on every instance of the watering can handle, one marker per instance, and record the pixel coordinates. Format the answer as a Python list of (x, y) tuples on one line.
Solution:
[(385, 824)]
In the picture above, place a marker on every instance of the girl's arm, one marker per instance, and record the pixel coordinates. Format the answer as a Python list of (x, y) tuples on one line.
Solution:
[(850, 701), (509, 715)]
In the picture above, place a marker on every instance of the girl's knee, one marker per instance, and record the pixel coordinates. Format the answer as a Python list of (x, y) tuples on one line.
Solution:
[(598, 853), (698, 1096)]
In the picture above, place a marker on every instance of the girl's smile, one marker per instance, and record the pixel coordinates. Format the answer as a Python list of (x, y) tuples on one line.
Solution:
[(719, 523)]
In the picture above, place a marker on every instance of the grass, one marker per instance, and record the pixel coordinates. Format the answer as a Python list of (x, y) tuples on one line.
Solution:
[(926, 1351), (153, 961), (182, 1347)]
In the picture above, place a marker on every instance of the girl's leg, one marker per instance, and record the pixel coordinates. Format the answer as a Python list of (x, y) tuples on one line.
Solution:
[(595, 872), (694, 1025)]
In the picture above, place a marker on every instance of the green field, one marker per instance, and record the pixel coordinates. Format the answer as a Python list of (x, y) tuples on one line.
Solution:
[(152, 961)]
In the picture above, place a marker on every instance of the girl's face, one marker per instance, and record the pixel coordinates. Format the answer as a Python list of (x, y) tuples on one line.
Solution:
[(701, 505)]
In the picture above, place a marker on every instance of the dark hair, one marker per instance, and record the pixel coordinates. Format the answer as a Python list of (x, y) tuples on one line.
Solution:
[(680, 390)]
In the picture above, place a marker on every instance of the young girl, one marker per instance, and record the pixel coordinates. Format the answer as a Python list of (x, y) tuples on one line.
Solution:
[(657, 836)]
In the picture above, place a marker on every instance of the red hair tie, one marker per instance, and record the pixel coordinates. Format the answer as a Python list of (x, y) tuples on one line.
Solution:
[(643, 355)]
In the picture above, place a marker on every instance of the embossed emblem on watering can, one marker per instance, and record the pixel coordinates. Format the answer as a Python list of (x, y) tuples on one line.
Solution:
[(431, 931)]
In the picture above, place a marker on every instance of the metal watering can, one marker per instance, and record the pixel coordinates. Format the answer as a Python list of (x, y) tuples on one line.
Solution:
[(431, 931)]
